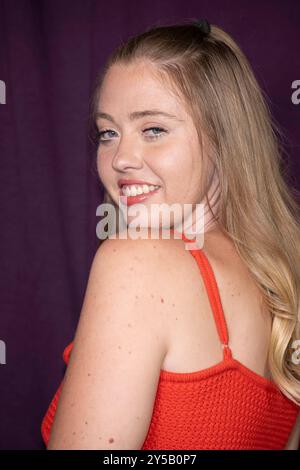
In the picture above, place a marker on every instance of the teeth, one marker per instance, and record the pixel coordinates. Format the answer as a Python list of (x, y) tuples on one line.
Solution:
[(134, 190)]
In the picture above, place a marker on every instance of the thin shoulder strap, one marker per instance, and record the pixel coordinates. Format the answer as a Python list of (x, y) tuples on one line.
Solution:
[(213, 294)]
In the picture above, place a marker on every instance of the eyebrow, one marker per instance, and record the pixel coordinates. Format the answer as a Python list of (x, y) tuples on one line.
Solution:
[(138, 115)]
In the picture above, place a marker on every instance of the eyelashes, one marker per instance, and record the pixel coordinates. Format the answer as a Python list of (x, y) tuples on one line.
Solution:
[(102, 141)]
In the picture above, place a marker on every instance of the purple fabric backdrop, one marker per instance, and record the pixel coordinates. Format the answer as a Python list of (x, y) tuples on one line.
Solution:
[(50, 52)]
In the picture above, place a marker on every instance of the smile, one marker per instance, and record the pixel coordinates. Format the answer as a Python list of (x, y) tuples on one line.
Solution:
[(133, 194)]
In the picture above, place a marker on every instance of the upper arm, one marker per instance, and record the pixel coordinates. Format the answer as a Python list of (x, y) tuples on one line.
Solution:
[(111, 380)]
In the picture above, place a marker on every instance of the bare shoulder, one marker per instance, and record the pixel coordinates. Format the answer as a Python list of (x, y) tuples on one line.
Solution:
[(152, 260), (156, 278), (121, 340), (141, 248), (148, 268), (136, 274)]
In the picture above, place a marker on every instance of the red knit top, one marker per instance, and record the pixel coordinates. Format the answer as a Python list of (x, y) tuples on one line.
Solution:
[(226, 406)]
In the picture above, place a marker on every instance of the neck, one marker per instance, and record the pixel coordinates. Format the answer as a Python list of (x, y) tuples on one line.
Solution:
[(204, 220)]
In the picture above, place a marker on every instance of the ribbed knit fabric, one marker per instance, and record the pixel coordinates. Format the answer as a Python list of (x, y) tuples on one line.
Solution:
[(226, 406)]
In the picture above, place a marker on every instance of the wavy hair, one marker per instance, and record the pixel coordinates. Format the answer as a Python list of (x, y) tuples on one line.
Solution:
[(258, 206)]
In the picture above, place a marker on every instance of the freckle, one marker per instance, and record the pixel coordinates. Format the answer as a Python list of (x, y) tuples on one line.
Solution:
[(176, 318), (173, 305), (72, 404), (152, 296), (74, 433), (114, 250), (111, 440), (119, 347), (89, 374), (129, 324), (136, 296), (99, 437), (86, 422), (162, 300), (130, 352)]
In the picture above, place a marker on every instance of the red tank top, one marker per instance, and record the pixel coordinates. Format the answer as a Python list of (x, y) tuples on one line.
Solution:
[(226, 406)]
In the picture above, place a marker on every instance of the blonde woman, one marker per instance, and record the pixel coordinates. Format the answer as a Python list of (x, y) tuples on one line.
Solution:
[(181, 348)]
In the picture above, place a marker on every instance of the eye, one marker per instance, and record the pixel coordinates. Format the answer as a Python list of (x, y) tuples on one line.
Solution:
[(154, 136), (102, 133)]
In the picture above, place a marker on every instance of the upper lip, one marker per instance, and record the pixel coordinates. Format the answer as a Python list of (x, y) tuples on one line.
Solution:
[(128, 182)]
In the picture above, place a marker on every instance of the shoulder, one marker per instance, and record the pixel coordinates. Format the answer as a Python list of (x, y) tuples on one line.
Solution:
[(133, 279), (119, 348), (151, 260), (148, 276), (129, 248)]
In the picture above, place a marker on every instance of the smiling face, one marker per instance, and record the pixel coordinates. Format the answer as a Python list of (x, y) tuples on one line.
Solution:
[(162, 150)]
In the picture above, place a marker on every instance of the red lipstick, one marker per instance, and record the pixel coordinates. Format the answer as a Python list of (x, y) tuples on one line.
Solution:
[(130, 200), (123, 181)]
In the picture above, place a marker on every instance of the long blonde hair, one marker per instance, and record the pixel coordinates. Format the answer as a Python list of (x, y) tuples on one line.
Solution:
[(258, 208)]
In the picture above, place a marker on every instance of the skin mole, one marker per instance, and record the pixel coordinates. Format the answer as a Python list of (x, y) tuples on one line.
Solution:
[(162, 300), (110, 440)]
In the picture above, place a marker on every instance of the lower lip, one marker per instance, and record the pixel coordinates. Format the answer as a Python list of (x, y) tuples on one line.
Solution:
[(130, 200)]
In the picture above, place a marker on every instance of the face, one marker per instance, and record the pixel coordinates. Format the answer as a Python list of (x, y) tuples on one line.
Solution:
[(152, 149)]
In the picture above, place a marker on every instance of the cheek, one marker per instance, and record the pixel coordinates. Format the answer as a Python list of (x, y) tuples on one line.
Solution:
[(176, 168), (103, 166)]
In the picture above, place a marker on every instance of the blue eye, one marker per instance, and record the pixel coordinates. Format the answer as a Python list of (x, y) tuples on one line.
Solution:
[(101, 133), (153, 137)]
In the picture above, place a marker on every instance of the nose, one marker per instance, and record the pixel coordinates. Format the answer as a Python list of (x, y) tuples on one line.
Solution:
[(127, 156)]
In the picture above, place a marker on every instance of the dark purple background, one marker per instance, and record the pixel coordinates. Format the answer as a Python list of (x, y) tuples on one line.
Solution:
[(50, 52)]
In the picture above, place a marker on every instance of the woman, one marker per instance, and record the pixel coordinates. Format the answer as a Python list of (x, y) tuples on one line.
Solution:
[(174, 351)]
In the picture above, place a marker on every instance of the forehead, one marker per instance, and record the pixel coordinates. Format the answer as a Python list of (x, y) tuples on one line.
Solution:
[(137, 86)]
